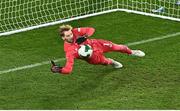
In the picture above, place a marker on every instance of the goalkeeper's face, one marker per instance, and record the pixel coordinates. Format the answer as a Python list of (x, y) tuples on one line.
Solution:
[(68, 36)]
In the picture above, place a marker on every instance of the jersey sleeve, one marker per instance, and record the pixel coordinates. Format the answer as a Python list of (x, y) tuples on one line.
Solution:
[(88, 31), (67, 69)]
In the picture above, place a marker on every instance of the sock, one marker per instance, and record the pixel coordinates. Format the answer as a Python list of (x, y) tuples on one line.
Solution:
[(121, 48), (107, 61)]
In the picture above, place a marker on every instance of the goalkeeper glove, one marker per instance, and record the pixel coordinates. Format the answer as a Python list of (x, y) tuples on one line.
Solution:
[(55, 68), (81, 39)]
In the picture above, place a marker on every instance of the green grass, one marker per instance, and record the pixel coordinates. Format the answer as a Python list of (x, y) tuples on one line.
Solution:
[(151, 82)]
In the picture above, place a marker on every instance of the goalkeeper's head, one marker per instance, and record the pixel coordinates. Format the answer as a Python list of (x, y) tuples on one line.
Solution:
[(65, 31)]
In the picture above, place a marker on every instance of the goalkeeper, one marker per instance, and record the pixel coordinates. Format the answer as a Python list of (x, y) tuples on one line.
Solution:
[(74, 37)]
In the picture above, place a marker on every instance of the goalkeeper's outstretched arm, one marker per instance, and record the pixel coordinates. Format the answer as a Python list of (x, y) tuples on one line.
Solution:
[(67, 69), (85, 31)]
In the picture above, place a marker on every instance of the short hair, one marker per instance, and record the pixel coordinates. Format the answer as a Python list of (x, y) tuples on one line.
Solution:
[(63, 28)]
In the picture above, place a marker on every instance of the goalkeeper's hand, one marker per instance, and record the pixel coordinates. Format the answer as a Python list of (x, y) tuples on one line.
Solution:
[(81, 39), (55, 68)]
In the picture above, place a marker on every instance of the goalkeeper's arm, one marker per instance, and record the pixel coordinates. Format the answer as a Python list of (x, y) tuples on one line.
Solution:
[(83, 34), (85, 31), (67, 69)]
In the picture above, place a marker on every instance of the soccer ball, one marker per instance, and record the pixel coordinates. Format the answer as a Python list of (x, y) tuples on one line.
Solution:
[(85, 51)]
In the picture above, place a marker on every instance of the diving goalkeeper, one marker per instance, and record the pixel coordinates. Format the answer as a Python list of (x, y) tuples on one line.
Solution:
[(74, 37)]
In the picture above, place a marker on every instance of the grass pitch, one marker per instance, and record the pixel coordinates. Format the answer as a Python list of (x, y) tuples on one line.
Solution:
[(151, 82)]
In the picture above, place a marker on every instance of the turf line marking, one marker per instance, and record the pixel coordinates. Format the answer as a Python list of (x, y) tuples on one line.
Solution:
[(61, 59), (153, 39), (30, 66)]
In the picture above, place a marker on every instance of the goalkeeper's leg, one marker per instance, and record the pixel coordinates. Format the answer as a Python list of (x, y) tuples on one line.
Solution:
[(99, 58), (109, 61), (127, 50), (108, 46), (121, 48)]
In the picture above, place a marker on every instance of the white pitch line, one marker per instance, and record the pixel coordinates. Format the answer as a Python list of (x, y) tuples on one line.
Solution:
[(60, 59), (153, 39), (29, 66)]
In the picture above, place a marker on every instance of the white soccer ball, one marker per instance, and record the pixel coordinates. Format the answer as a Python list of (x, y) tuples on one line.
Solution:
[(85, 51)]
